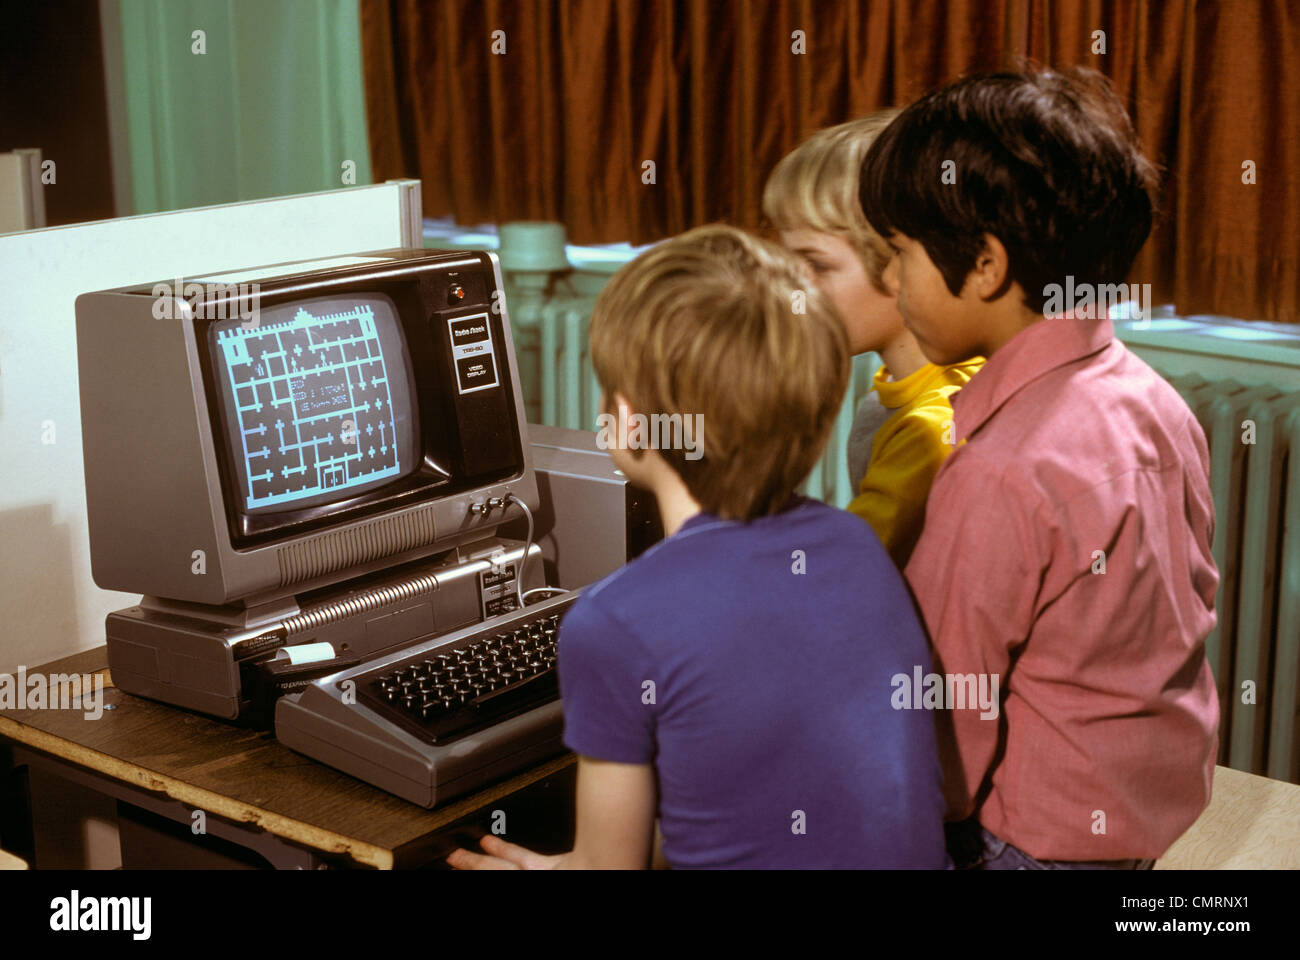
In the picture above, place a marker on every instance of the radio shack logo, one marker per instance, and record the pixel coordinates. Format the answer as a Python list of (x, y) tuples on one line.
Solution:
[(74, 913)]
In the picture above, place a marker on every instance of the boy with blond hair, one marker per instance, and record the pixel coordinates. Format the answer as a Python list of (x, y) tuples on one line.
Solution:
[(723, 681), (903, 429)]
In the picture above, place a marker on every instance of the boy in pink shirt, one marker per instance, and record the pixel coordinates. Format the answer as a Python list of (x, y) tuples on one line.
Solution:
[(1065, 555)]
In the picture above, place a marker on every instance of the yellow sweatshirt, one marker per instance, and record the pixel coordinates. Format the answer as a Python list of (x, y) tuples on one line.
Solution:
[(906, 452)]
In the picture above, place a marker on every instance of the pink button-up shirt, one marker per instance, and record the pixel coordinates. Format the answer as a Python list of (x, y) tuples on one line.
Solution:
[(1078, 459)]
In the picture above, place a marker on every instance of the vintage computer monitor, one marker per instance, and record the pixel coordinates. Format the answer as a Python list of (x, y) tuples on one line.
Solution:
[(300, 467)]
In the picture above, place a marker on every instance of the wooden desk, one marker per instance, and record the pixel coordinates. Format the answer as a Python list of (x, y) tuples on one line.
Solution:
[(292, 810), (299, 813), (1252, 823)]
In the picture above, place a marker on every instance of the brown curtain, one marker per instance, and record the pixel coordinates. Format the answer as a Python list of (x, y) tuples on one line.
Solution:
[(560, 125)]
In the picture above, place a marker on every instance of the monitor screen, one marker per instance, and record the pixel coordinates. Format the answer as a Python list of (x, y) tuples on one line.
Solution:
[(317, 401)]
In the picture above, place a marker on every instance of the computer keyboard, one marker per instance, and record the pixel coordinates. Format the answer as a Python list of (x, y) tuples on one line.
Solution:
[(444, 715), (443, 696)]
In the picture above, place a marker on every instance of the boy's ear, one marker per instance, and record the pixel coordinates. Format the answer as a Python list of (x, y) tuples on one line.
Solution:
[(990, 277), (623, 412), (889, 276), (616, 405)]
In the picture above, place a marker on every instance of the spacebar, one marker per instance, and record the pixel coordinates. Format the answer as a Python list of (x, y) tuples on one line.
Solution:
[(495, 705)]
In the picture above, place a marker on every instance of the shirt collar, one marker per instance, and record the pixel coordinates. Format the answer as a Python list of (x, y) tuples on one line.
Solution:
[(798, 501), (898, 393), (1040, 348)]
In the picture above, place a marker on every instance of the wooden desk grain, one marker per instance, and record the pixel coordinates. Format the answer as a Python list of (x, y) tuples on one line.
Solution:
[(241, 774), (1252, 823)]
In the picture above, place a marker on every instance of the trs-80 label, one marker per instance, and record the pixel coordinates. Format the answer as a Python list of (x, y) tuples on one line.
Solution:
[(471, 349)]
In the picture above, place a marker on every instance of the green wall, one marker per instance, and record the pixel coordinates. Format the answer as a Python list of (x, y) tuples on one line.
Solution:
[(274, 106)]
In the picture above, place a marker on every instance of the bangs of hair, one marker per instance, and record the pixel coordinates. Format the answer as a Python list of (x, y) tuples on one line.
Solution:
[(812, 188), (816, 187)]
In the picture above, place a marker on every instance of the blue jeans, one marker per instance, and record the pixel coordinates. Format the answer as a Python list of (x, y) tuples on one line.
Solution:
[(974, 848)]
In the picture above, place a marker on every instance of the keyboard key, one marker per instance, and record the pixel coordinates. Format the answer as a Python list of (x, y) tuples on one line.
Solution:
[(497, 704)]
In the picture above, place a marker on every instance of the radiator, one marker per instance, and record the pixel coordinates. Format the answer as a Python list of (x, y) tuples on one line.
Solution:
[(560, 388), (1256, 642)]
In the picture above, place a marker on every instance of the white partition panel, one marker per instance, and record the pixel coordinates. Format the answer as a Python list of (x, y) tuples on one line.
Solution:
[(49, 605)]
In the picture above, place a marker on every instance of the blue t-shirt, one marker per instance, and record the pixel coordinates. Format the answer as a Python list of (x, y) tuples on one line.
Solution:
[(751, 663)]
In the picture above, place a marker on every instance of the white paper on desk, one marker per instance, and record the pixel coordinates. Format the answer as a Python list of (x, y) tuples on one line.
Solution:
[(306, 653)]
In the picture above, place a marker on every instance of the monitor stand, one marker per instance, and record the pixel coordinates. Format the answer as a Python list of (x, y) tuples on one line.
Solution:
[(235, 661)]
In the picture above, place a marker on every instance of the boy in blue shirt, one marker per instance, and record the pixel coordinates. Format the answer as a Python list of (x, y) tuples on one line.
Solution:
[(735, 681)]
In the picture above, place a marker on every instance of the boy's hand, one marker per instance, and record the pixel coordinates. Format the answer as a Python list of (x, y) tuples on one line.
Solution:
[(501, 856), (615, 825)]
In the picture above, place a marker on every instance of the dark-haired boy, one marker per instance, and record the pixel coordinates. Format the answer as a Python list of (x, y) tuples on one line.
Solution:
[(1066, 546), (732, 681)]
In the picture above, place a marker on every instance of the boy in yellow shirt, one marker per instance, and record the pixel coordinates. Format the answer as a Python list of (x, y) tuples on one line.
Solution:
[(902, 431)]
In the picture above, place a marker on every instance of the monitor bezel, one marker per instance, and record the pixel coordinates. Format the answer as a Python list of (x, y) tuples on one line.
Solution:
[(406, 284)]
